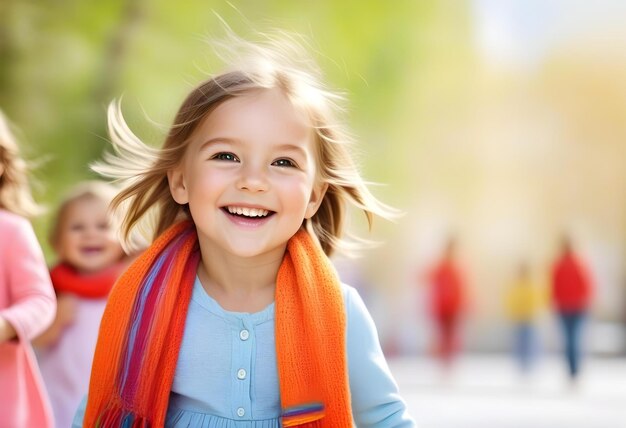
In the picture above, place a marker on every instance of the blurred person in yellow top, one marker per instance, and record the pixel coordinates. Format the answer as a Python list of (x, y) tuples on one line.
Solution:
[(525, 299)]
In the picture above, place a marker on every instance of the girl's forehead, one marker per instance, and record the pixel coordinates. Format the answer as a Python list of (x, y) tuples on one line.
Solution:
[(87, 206), (262, 108)]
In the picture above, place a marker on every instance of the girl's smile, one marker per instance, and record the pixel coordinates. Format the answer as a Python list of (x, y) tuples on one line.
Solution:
[(247, 217), (89, 251), (248, 212)]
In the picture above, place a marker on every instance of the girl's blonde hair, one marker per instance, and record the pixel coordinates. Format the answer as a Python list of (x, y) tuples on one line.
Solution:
[(98, 190), (277, 62), (15, 192)]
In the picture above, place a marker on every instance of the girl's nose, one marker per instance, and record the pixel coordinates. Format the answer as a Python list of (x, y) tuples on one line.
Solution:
[(253, 178), (91, 231)]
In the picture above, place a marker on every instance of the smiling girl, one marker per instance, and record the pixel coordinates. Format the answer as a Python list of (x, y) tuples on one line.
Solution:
[(235, 317)]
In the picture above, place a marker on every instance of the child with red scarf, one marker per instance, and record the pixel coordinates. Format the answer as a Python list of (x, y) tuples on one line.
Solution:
[(90, 260)]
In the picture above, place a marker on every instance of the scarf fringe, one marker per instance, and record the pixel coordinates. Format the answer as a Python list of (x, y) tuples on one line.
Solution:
[(303, 415), (296, 424), (314, 424), (116, 417)]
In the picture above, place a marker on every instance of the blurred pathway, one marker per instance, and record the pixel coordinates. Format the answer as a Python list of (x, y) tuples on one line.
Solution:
[(488, 392)]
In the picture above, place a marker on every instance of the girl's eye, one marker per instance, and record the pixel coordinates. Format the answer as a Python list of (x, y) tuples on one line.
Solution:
[(77, 227), (284, 163), (225, 156)]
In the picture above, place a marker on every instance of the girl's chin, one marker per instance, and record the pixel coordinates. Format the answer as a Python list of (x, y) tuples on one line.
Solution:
[(253, 249), (90, 266)]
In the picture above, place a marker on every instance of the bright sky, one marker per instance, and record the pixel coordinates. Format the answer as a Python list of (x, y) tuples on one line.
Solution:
[(521, 33)]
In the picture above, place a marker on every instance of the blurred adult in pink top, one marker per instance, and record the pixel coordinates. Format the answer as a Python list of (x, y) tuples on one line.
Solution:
[(27, 302), (571, 296)]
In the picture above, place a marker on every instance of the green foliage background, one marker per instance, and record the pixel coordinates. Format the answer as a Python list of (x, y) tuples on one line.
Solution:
[(62, 62)]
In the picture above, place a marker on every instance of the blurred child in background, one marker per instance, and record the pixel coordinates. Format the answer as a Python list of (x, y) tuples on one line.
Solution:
[(525, 300), (90, 259), (27, 302)]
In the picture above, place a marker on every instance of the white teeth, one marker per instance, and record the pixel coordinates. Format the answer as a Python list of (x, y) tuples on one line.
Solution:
[(248, 212)]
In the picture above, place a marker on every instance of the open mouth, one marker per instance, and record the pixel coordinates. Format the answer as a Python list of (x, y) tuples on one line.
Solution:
[(90, 251), (248, 213)]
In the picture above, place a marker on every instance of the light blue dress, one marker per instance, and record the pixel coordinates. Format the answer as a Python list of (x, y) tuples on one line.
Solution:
[(227, 376)]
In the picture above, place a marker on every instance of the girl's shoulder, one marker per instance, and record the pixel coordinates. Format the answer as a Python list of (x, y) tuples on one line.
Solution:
[(353, 302), (12, 225), (347, 291), (10, 220)]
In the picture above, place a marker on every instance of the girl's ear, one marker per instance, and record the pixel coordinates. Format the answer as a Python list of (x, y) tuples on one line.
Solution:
[(317, 196), (56, 243), (176, 180), (56, 247)]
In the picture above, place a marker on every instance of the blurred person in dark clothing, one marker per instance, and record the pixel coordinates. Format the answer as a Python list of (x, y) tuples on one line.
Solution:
[(571, 296)]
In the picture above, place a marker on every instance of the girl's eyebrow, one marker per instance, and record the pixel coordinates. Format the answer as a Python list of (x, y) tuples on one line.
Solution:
[(292, 148), (218, 140), (281, 147)]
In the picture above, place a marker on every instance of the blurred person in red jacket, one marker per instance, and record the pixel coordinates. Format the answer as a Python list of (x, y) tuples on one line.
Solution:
[(447, 302), (571, 296)]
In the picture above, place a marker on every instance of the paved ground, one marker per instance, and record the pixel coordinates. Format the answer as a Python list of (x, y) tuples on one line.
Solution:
[(487, 392)]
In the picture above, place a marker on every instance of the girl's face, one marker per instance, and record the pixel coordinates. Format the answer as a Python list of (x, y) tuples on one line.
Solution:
[(86, 239), (249, 175)]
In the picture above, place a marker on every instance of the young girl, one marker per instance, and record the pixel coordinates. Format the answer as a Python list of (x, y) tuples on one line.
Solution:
[(235, 317), (27, 302), (90, 260), (525, 300)]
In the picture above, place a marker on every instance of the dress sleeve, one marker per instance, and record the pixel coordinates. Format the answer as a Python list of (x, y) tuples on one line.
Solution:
[(33, 303), (376, 401)]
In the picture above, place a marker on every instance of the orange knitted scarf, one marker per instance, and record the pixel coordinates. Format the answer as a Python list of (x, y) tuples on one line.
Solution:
[(142, 328)]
